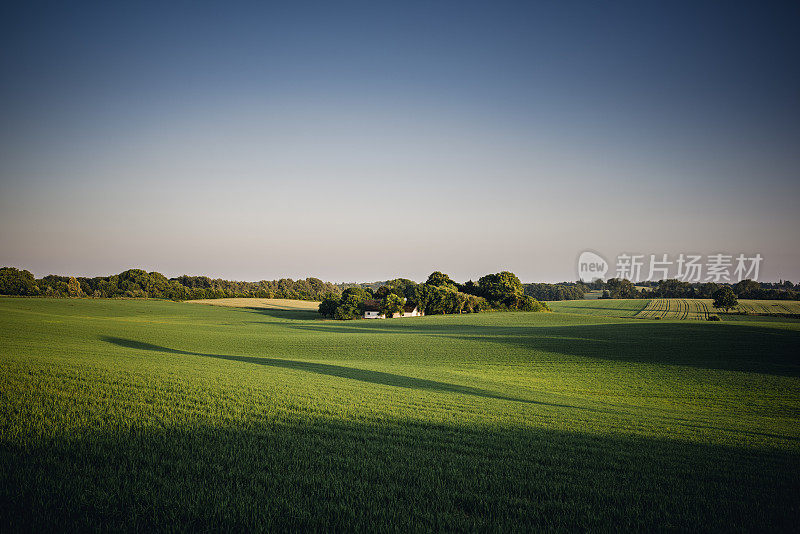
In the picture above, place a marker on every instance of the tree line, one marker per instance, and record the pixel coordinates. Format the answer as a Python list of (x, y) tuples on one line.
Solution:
[(137, 283), (439, 294), (562, 291), (616, 288)]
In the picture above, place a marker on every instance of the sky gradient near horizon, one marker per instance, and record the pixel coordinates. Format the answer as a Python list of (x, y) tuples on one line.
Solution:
[(366, 141)]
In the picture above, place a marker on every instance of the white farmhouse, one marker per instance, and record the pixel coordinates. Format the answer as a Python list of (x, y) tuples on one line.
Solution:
[(409, 310), (372, 310)]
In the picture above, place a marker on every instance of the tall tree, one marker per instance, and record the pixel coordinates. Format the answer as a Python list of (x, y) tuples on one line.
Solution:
[(392, 304), (725, 298), (439, 279), (503, 287), (620, 288), (74, 287)]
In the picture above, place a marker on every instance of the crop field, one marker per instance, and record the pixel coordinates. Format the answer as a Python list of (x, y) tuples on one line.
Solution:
[(772, 307), (702, 308), (603, 307), (698, 309), (154, 415)]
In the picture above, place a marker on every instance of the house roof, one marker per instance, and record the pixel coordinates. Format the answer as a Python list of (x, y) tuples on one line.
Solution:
[(372, 305), (375, 305)]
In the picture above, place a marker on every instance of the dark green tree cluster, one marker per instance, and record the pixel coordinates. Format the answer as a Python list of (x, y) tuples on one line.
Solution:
[(745, 289), (441, 295), (137, 283), (438, 295), (17, 282), (349, 305), (617, 288), (394, 295), (556, 291), (750, 289), (504, 290), (439, 279), (620, 288), (392, 304), (436, 300), (725, 298), (371, 286), (678, 289)]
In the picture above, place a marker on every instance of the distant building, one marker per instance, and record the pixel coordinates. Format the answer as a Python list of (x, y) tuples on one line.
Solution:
[(409, 310), (372, 310)]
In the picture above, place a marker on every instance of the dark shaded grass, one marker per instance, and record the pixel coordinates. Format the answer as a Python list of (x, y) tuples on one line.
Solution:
[(293, 315), (749, 348), (344, 475)]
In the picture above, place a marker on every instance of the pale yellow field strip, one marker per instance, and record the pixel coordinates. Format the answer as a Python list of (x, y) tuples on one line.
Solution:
[(271, 304)]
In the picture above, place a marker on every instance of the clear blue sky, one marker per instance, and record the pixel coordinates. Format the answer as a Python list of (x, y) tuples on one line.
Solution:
[(364, 141)]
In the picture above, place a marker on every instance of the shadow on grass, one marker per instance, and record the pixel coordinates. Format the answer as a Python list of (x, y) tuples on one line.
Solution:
[(341, 371), (734, 347), (392, 379), (285, 314), (287, 474)]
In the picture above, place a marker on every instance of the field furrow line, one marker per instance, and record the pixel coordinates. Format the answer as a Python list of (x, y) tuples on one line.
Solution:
[(705, 312)]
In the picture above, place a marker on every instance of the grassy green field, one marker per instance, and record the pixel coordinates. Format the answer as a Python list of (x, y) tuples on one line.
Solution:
[(141, 415), (602, 307)]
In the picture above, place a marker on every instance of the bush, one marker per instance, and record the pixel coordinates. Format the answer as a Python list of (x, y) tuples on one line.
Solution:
[(328, 306), (713, 318), (527, 303), (343, 314)]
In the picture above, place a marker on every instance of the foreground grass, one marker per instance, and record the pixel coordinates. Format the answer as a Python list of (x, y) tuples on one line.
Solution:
[(145, 415)]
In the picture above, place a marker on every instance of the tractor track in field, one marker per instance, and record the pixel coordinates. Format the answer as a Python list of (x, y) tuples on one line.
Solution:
[(704, 313), (699, 309), (657, 308), (683, 309)]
